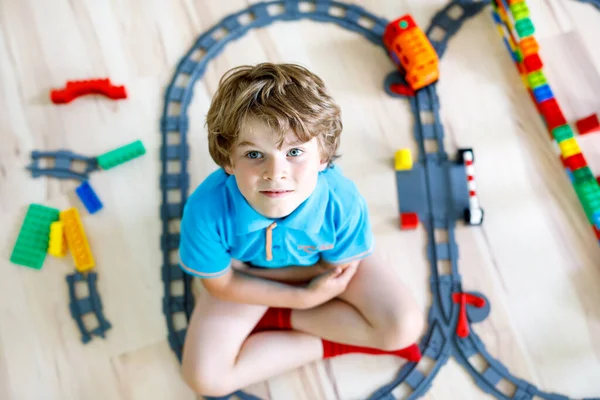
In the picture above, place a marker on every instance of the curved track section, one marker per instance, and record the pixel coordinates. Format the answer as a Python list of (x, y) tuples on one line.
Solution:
[(441, 182)]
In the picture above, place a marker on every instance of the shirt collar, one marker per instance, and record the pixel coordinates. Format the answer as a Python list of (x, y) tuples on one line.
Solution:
[(307, 217)]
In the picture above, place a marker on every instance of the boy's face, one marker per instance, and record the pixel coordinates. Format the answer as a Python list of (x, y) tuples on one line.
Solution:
[(274, 181)]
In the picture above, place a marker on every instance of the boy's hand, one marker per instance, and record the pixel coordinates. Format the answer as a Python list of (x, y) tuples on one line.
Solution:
[(329, 284)]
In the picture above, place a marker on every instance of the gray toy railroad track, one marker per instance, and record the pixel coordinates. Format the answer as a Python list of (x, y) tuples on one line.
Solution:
[(90, 304), (442, 184), (62, 165)]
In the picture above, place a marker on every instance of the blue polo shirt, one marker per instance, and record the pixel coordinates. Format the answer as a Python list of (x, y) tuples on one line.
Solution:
[(218, 224)]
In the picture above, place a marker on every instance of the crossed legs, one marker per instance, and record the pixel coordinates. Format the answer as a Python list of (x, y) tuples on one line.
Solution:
[(219, 357)]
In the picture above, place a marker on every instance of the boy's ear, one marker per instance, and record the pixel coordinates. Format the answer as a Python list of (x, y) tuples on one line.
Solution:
[(323, 166), (228, 169)]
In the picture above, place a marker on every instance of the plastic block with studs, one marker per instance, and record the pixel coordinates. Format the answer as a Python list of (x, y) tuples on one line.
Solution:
[(57, 245), (121, 155), (403, 160), (588, 124), (409, 220), (32, 242), (88, 197), (77, 240)]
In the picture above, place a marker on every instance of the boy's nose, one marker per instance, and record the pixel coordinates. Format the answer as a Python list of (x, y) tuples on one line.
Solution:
[(276, 169)]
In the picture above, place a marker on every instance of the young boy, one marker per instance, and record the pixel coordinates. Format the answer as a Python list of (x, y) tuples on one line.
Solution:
[(281, 241)]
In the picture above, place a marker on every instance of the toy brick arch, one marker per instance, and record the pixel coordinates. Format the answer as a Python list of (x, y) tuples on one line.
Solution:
[(450, 305)]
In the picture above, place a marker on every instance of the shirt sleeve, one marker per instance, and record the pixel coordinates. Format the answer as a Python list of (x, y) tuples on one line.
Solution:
[(354, 238), (202, 253)]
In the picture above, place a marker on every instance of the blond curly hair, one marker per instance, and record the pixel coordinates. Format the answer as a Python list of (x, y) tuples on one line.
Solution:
[(287, 97)]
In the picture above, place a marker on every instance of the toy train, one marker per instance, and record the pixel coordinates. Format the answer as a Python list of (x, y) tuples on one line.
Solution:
[(412, 52)]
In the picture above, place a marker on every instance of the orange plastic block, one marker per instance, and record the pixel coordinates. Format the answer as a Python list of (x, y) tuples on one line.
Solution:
[(409, 220), (77, 240), (529, 46), (57, 245)]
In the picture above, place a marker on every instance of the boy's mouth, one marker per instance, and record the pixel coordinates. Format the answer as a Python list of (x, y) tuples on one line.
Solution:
[(276, 193)]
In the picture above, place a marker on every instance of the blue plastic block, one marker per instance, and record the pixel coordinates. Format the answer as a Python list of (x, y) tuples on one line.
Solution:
[(88, 197), (570, 175), (542, 93)]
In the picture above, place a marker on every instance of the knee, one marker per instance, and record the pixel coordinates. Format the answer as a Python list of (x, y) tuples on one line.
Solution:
[(206, 381), (401, 330)]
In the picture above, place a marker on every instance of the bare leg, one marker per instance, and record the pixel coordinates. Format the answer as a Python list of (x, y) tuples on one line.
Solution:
[(219, 358), (376, 310)]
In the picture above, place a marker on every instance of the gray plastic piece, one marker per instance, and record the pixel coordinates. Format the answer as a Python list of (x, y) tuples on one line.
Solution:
[(62, 165), (436, 189), (90, 304)]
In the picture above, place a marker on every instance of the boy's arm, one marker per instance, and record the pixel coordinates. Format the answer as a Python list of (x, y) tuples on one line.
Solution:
[(239, 287), (290, 274)]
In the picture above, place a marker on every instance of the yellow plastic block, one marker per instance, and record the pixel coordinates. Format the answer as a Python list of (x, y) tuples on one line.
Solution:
[(57, 245), (403, 160), (569, 147), (77, 240)]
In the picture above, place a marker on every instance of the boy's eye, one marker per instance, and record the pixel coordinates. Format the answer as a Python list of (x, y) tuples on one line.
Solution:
[(295, 152), (253, 154)]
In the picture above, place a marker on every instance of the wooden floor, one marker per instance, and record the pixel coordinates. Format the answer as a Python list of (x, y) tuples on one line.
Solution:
[(535, 257)]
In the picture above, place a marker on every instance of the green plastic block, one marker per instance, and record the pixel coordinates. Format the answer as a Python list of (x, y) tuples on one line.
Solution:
[(584, 174), (519, 55), (32, 243), (563, 132), (589, 196), (536, 79), (524, 27), (121, 155), (519, 11)]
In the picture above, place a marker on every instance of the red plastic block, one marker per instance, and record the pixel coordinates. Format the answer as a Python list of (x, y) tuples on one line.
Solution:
[(552, 113), (75, 89), (597, 231), (588, 124), (575, 162), (409, 220), (533, 62), (402, 89)]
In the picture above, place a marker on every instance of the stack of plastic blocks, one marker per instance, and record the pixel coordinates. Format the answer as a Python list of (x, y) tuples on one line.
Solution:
[(526, 56)]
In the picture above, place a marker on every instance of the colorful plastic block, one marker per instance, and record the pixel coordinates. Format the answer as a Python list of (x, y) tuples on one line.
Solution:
[(75, 89), (519, 10), (57, 245), (409, 220), (529, 46), (77, 240), (542, 93), (524, 27), (575, 162), (536, 78), (569, 147), (32, 242), (583, 174), (88, 197), (562, 132), (552, 113), (588, 124), (533, 62), (403, 160), (121, 155)]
